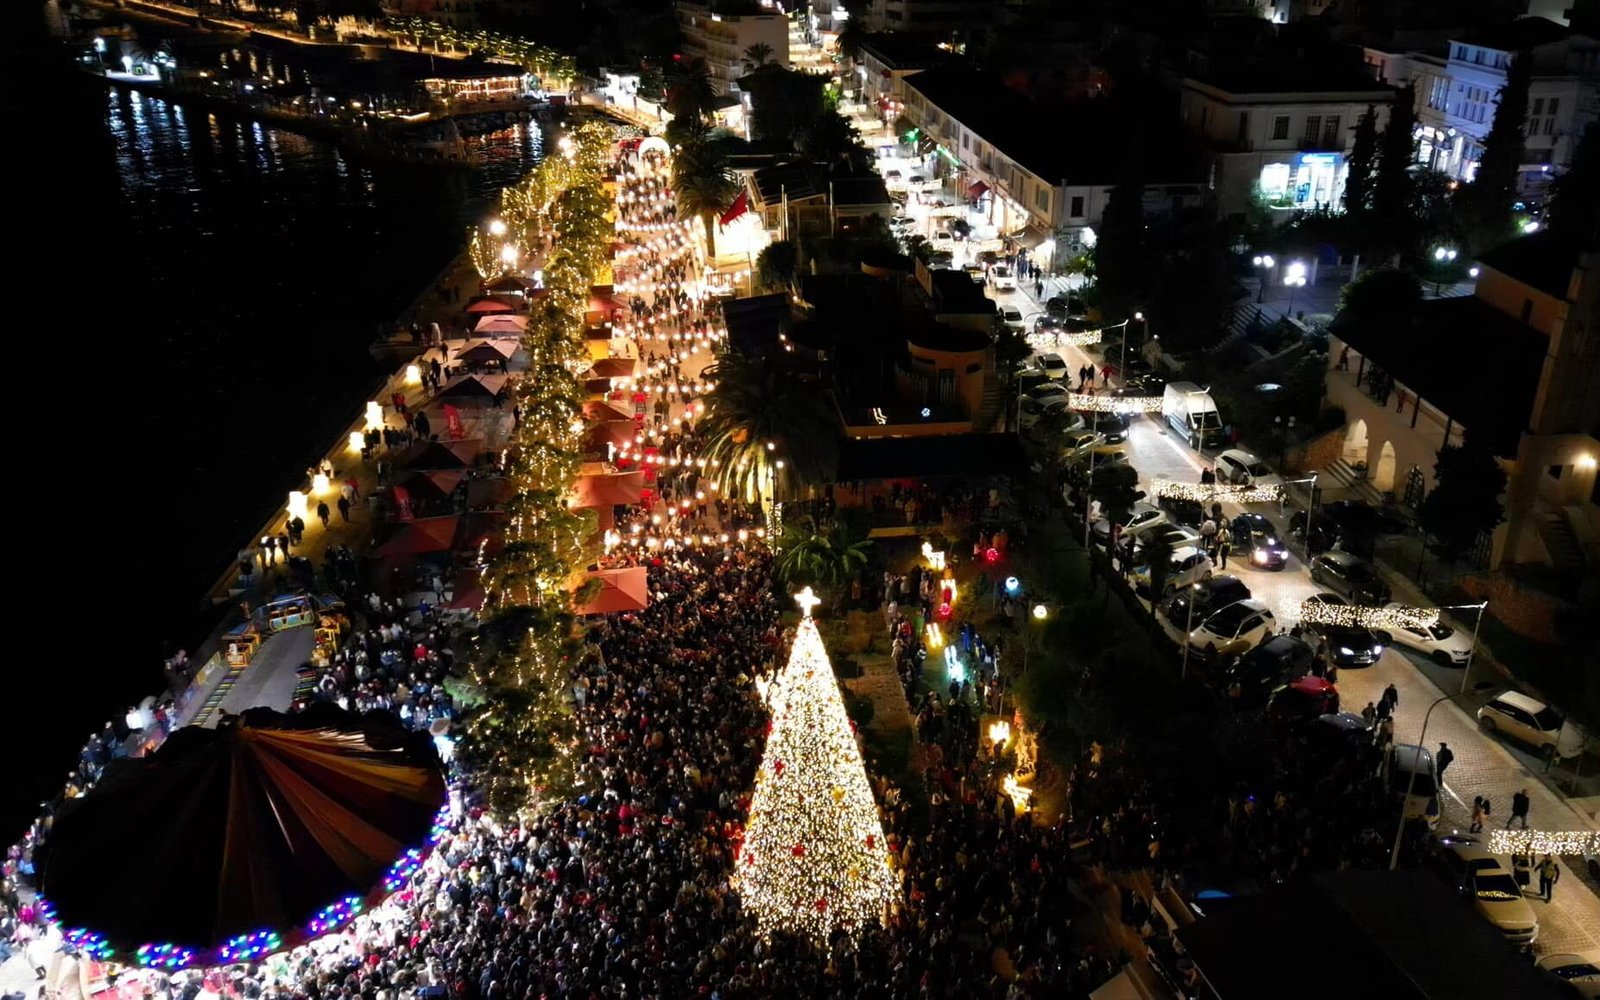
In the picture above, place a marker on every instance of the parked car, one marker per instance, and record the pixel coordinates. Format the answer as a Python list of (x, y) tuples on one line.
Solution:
[(917, 179), (1176, 536), (1235, 629), (1581, 975), (1113, 425), (1012, 318), (1207, 596), (1493, 891), (1303, 700), (1438, 642), (1187, 565), (1065, 305), (1409, 767), (1348, 645), (1324, 533), (1271, 665), (1349, 576), (1144, 384), (1140, 515), (1002, 278), (1046, 324), (1523, 718), (1054, 364), (1030, 411), (1338, 735), (1183, 510), (1256, 540), (1241, 468), (1077, 445), (1045, 392)]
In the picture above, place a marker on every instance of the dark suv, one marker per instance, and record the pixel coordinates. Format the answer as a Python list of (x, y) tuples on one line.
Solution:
[(1208, 596), (1256, 540), (1269, 666), (1349, 576)]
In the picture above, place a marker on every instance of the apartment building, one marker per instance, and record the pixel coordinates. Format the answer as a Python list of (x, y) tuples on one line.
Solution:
[(722, 38)]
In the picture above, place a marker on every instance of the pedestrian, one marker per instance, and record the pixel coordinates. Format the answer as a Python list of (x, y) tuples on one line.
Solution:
[(1208, 534), (1207, 477), (1038, 289), (1400, 395), (1370, 714), (1478, 814), (1224, 543), (1442, 759), (1105, 373), (1391, 696), (1344, 359), (1549, 875), (344, 509), (1519, 809), (1383, 708), (1385, 732), (322, 513), (1522, 871)]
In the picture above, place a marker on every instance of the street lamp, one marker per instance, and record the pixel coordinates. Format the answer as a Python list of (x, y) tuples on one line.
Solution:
[(1411, 780), (1295, 279), (1481, 608), (1265, 263), (1442, 258), (1040, 613)]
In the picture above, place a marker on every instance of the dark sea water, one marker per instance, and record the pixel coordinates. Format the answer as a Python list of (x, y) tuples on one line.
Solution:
[(196, 296)]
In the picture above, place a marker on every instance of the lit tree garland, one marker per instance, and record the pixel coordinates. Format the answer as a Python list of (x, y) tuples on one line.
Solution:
[(814, 857), (1216, 492), (1089, 402)]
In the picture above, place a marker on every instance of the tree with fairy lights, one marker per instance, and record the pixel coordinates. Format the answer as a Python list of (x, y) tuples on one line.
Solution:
[(813, 859)]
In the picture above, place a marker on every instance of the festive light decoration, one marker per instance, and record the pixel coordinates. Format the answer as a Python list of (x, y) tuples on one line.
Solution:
[(89, 943), (335, 915), (1537, 842), (1315, 612), (935, 640), (357, 442), (934, 557), (1045, 341), (249, 947), (1219, 492), (814, 858), (999, 732), (1092, 403), (170, 957), (374, 416)]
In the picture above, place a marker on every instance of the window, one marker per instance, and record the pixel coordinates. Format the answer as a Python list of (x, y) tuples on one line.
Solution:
[(1077, 207), (1549, 123), (1280, 126), (1313, 127), (1041, 200), (1538, 105), (1555, 102), (1439, 96), (1330, 133)]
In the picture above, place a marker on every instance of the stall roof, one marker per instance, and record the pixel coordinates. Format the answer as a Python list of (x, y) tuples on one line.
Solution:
[(600, 410), (607, 489), (509, 283), (471, 387), (484, 352), (440, 454), (929, 457), (421, 537), (438, 484), (610, 368), (480, 304), (499, 324), (620, 590), (490, 492)]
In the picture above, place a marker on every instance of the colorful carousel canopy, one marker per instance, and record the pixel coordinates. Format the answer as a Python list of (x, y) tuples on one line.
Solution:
[(256, 827)]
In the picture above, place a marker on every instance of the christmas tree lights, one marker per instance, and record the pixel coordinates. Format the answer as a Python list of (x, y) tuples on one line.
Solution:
[(814, 858)]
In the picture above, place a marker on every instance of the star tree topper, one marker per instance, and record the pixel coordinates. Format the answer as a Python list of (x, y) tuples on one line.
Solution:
[(807, 600)]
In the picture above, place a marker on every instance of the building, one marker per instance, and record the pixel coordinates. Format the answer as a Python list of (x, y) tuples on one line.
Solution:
[(1034, 168), (1281, 135), (938, 20), (1458, 88), (883, 62), (815, 203), (1515, 365), (723, 39)]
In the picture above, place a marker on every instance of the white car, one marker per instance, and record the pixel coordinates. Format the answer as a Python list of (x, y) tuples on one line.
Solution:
[(1140, 515), (1047, 391), (1054, 364), (1187, 566), (1412, 779), (1580, 974), (1030, 411), (1237, 628), (1002, 278), (1240, 468), (1492, 889), (1523, 718), (1012, 318), (1439, 642)]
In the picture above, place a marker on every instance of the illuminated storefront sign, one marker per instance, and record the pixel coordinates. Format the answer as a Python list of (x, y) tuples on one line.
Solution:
[(1309, 180)]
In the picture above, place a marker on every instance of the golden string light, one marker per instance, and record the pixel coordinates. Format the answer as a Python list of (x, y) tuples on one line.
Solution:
[(1092, 403), (1537, 842), (1314, 612), (1061, 338), (814, 858), (1219, 492)]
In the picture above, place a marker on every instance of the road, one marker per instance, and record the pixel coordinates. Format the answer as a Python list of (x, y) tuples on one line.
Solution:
[(1483, 765)]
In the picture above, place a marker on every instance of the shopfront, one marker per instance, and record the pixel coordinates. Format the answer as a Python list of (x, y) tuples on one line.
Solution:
[(1307, 181)]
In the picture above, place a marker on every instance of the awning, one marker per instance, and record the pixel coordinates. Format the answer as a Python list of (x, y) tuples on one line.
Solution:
[(609, 368), (501, 324), (422, 536), (620, 590), (977, 190), (601, 411), (491, 304), (617, 432), (608, 489), (487, 352)]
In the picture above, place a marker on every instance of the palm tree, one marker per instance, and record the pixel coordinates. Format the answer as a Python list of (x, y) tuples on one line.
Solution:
[(758, 54), (704, 184), (822, 558), (768, 429), (689, 91)]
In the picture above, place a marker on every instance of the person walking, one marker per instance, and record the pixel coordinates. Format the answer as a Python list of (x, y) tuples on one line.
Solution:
[(1370, 714), (1519, 809), (344, 509), (1208, 535), (1224, 543), (1479, 814), (1549, 875), (322, 513), (1383, 708), (1442, 759), (1522, 871), (1392, 696)]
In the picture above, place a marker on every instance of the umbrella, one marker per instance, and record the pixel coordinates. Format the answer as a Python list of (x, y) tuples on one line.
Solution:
[(620, 590)]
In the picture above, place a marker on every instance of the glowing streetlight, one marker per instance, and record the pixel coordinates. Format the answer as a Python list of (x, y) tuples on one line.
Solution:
[(1295, 278), (1263, 262), (497, 227), (1040, 612), (509, 254)]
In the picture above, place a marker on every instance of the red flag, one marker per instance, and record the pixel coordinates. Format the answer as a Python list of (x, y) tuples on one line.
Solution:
[(402, 503), (740, 206), (452, 420)]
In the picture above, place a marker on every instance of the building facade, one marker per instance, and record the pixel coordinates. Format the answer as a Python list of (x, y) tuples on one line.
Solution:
[(1286, 146), (723, 40)]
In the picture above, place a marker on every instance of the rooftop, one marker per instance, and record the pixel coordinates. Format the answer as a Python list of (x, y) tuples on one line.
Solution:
[(1544, 261), (1441, 355), (966, 455), (956, 292), (1290, 77), (1523, 33), (898, 51)]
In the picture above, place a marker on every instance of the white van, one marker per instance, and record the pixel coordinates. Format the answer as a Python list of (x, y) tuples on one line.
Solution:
[(1191, 413)]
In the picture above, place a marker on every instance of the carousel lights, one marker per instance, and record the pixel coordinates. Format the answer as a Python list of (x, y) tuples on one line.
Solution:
[(248, 947), (1534, 842), (1208, 493), (407, 865), (89, 943), (170, 957), (1315, 612), (335, 915)]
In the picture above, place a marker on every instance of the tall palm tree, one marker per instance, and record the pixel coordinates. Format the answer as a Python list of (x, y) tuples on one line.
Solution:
[(689, 90), (768, 430), (827, 558), (704, 184), (758, 54)]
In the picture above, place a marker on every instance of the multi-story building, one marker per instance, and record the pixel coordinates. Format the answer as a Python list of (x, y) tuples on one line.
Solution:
[(1458, 91), (1038, 170), (456, 13), (724, 39), (1282, 136), (882, 63), (1514, 365)]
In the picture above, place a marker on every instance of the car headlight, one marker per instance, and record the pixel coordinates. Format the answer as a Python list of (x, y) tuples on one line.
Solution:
[(1377, 650), (1258, 556), (1346, 651)]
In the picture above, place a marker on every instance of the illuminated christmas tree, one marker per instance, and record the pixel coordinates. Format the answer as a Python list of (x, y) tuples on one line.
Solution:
[(814, 857)]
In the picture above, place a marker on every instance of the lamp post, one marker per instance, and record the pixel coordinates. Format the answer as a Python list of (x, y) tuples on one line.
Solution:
[(1473, 649), (1442, 258), (1188, 630), (1036, 616), (1264, 263), (1411, 780), (1296, 280)]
